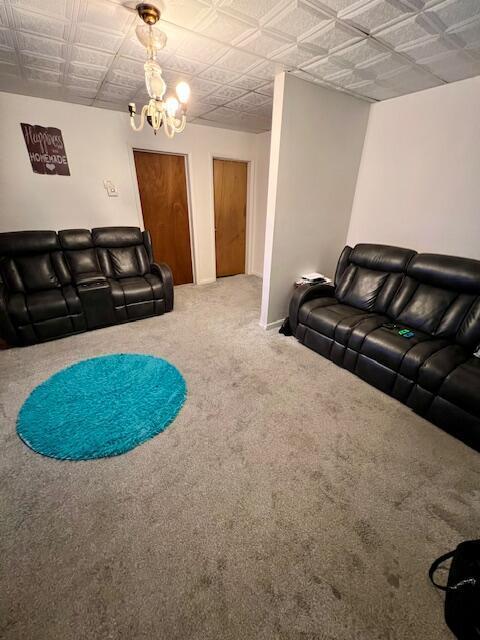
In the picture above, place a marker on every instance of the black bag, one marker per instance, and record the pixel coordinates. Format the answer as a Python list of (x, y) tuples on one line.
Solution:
[(462, 599), (285, 328)]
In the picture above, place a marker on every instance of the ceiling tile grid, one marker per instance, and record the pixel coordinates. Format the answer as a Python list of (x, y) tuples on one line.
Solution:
[(86, 51)]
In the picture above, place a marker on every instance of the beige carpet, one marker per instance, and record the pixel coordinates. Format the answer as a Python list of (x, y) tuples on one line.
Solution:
[(288, 501)]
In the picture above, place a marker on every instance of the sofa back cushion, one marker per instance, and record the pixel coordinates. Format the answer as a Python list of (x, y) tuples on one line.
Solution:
[(121, 251), (32, 261), (371, 275), (441, 296), (36, 272), (77, 245)]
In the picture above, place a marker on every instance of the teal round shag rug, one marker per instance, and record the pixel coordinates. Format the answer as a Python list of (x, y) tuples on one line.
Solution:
[(101, 407)]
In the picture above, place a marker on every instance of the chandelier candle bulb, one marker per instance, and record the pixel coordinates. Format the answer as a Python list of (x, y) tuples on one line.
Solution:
[(183, 92), (172, 106)]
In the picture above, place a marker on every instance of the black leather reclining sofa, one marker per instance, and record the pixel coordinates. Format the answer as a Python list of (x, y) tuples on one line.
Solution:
[(380, 290), (53, 285)]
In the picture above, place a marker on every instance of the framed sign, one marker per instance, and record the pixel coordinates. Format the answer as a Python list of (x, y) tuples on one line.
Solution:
[(46, 149)]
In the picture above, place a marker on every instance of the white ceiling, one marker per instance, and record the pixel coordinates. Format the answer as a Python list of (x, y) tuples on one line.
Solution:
[(85, 51)]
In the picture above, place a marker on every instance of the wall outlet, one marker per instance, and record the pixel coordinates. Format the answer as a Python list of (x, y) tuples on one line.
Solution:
[(111, 189)]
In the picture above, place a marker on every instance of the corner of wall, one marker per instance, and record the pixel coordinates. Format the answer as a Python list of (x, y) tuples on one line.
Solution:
[(360, 172), (275, 142)]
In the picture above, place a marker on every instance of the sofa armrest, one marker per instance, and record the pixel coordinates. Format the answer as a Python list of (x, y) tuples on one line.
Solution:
[(7, 330), (87, 279), (304, 293), (163, 271)]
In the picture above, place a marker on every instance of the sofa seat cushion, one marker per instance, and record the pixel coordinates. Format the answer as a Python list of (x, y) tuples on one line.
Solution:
[(136, 289), (325, 315), (416, 357), (462, 387), (310, 305), (42, 305), (392, 350), (440, 365)]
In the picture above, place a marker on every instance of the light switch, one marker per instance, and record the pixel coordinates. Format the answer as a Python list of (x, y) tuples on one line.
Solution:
[(111, 188)]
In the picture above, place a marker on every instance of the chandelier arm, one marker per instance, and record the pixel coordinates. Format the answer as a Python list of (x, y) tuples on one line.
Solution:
[(156, 119), (169, 127), (182, 124), (142, 119)]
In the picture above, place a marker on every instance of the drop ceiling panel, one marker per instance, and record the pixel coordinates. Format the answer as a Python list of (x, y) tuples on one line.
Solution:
[(199, 48), (127, 65), (103, 14), (224, 94), (266, 89), (10, 57), (433, 47), (97, 39), (248, 82), (453, 66), (224, 28), (186, 13), (389, 64), (7, 39), (338, 5), (4, 21), (91, 57), (254, 10), (374, 90), (184, 65), (53, 8), (332, 37), (295, 56), (42, 74), (408, 32), (326, 67), (348, 78), (363, 52), (298, 20), (249, 101), (378, 14), (263, 44), (267, 70), (41, 46), (41, 25), (410, 77), (238, 60), (452, 13), (85, 51), (200, 87), (469, 34), (82, 86), (86, 71)]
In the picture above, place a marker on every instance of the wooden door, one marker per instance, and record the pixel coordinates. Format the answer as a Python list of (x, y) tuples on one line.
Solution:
[(163, 193), (230, 197)]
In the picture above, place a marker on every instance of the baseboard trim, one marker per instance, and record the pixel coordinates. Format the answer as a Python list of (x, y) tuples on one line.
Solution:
[(271, 325), (257, 274), (207, 281)]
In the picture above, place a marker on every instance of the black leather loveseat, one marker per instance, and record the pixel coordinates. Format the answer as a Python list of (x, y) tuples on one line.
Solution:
[(380, 291), (53, 285)]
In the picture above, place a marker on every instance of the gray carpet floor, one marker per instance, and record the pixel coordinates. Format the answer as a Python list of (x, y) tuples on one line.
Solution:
[(288, 501)]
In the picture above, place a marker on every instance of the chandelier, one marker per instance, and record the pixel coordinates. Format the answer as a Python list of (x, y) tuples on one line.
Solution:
[(169, 113)]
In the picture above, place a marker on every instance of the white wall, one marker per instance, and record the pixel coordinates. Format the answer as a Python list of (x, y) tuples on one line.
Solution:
[(262, 143), (317, 141), (99, 145), (419, 181)]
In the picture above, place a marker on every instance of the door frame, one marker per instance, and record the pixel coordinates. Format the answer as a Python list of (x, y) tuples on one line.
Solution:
[(187, 160), (249, 231)]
